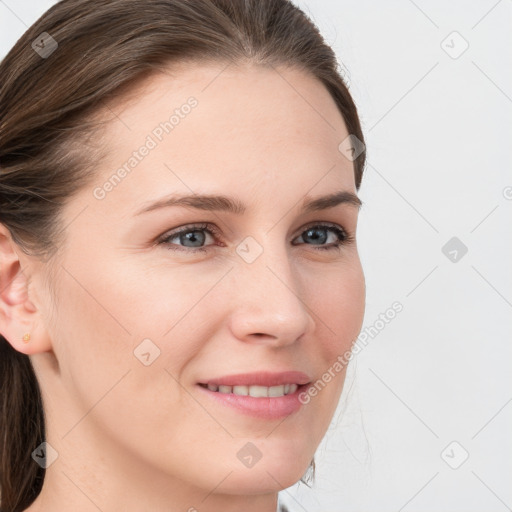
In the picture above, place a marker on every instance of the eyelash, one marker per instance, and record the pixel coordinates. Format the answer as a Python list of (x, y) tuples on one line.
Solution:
[(344, 237)]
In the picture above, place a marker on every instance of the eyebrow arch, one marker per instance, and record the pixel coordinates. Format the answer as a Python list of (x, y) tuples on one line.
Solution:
[(210, 202)]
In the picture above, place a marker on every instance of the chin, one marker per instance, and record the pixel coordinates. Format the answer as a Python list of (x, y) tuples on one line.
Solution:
[(261, 482), (272, 475)]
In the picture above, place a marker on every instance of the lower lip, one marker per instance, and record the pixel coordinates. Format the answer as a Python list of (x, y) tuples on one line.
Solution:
[(260, 407)]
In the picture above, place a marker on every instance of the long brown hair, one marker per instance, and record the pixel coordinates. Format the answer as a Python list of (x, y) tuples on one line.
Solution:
[(67, 65)]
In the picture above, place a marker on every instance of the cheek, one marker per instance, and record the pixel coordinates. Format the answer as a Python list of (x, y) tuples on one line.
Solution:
[(108, 311), (337, 302), (101, 321), (92, 340)]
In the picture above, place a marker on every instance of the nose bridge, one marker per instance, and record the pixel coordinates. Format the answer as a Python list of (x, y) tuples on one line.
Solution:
[(267, 294)]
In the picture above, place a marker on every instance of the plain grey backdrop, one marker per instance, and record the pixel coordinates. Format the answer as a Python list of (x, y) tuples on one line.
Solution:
[(425, 417)]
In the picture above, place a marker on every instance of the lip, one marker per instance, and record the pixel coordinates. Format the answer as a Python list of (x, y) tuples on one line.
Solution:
[(259, 407), (260, 379)]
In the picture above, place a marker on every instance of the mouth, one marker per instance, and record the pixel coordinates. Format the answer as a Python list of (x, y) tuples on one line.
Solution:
[(263, 395), (254, 390)]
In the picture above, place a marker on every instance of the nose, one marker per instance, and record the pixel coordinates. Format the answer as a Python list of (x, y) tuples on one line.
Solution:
[(268, 303)]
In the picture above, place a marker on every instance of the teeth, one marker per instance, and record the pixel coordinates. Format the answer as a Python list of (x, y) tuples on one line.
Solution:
[(241, 390), (276, 390), (256, 391)]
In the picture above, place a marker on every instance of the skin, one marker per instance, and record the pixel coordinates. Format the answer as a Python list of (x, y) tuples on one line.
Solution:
[(133, 437)]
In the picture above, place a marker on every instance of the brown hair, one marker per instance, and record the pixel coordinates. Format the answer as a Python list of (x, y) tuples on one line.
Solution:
[(46, 103)]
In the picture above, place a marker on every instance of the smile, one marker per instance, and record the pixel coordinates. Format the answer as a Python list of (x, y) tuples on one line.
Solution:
[(254, 391), (264, 395)]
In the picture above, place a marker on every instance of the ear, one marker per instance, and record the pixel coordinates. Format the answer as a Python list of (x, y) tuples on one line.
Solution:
[(18, 314)]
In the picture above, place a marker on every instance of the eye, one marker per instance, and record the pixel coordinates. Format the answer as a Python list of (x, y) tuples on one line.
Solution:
[(193, 234), (318, 234)]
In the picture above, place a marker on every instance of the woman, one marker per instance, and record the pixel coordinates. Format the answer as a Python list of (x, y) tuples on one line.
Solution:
[(179, 273)]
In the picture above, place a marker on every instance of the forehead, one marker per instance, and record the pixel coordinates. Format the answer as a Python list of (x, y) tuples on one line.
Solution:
[(212, 127)]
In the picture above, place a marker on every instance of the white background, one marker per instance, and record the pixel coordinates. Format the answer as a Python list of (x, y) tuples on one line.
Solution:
[(439, 148)]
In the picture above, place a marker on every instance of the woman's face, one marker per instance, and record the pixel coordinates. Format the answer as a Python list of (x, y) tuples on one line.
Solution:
[(143, 316)]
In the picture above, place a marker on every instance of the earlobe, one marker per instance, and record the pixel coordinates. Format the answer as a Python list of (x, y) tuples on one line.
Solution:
[(20, 320)]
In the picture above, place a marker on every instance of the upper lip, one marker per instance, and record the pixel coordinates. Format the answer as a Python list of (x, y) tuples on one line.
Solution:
[(260, 379)]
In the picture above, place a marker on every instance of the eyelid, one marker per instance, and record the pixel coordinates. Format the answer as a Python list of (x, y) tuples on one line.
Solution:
[(346, 238), (323, 224), (201, 226), (216, 231)]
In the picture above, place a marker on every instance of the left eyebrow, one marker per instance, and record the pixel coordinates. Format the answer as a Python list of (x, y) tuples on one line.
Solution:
[(331, 200), (210, 202)]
